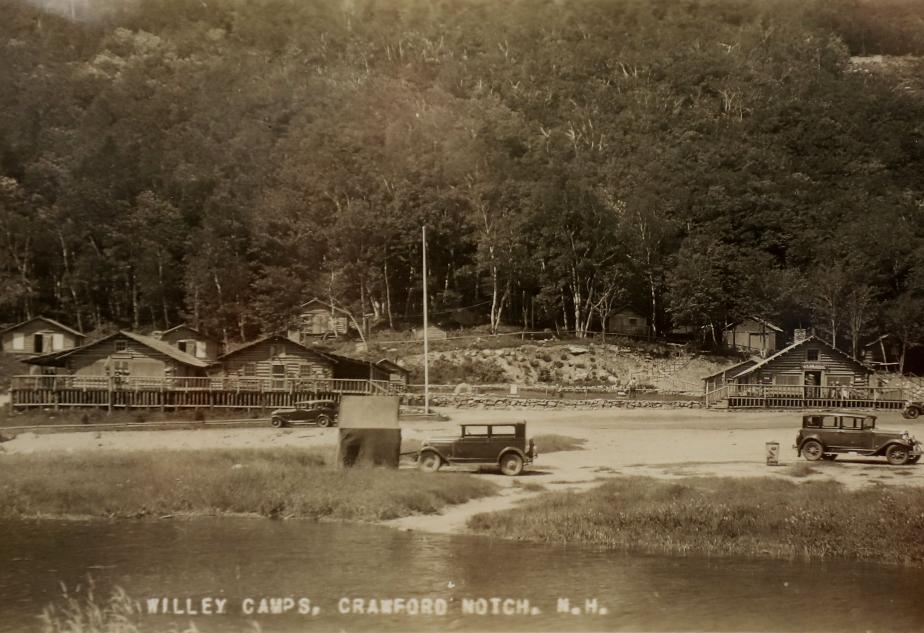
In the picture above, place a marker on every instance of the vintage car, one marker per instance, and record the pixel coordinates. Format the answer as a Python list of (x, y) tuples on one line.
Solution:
[(504, 445), (319, 412), (825, 434), (913, 409)]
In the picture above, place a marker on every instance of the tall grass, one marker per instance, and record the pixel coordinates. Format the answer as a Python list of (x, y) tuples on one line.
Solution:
[(285, 482), (82, 611), (721, 516)]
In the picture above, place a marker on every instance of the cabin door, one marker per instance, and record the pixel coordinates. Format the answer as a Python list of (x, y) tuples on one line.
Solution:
[(813, 384), (38, 344)]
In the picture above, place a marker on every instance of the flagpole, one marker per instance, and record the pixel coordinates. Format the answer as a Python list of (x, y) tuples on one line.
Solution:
[(425, 327)]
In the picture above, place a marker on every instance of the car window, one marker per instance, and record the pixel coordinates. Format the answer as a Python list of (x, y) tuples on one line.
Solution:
[(469, 431), (869, 423), (829, 422), (813, 420), (851, 423), (504, 431)]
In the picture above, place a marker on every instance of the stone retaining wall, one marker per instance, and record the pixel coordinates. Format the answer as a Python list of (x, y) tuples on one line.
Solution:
[(504, 402)]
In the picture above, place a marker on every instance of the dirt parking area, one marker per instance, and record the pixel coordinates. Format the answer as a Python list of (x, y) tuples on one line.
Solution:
[(663, 443)]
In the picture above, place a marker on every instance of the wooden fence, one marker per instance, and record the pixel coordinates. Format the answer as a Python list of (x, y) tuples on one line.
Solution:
[(69, 391), (805, 397)]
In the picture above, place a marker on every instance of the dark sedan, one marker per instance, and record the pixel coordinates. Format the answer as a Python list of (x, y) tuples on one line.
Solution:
[(319, 412)]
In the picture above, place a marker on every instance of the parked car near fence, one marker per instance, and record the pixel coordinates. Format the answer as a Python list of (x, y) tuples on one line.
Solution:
[(824, 435), (319, 412), (912, 409)]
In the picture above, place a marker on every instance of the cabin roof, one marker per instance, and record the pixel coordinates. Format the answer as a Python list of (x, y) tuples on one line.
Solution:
[(188, 327), (276, 338), (763, 322), (157, 345), (392, 366), (797, 344), (52, 322), (734, 368), (323, 304)]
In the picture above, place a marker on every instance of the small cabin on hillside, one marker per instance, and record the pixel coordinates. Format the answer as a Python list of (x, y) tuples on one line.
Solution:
[(317, 319), (39, 335), (753, 335), (125, 355), (628, 322), (397, 374), (190, 341), (433, 333)]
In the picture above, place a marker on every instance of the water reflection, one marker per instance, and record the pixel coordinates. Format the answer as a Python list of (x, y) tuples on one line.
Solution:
[(240, 559)]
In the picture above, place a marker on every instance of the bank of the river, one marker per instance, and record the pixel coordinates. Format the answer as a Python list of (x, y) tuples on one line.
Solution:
[(765, 517), (280, 482)]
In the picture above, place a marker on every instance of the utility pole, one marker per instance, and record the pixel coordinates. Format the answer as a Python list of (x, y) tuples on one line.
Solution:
[(425, 327)]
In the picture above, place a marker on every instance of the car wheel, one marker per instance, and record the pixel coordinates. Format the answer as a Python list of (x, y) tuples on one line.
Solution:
[(812, 450), (829, 457), (897, 455), (278, 423), (911, 413), (511, 464), (429, 462), (323, 420)]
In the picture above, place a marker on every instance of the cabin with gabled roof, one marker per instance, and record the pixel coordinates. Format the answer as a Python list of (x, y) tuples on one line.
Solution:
[(318, 319), (191, 341), (753, 335), (39, 335), (123, 354), (810, 373)]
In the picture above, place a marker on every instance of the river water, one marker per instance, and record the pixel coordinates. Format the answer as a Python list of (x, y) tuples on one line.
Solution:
[(336, 569)]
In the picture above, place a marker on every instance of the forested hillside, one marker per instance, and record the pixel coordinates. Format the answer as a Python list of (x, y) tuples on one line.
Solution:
[(699, 160)]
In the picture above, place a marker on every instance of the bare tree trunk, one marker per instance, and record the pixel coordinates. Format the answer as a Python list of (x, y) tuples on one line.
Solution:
[(391, 322), (654, 304)]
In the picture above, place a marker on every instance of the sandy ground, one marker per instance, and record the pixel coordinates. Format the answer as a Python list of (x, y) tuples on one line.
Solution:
[(655, 443)]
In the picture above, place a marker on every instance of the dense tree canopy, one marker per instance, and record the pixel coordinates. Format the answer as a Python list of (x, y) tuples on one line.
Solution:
[(700, 160)]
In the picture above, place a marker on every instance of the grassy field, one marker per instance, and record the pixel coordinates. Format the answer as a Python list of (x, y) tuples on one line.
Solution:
[(721, 516), (276, 483)]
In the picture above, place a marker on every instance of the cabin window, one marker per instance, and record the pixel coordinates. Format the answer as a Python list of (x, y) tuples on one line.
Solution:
[(57, 342), (633, 321), (811, 354), (120, 368), (250, 369), (19, 340), (121, 346), (785, 379), (304, 371), (200, 349)]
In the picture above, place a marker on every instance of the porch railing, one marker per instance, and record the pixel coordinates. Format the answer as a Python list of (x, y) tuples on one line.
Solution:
[(804, 396), (137, 391)]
